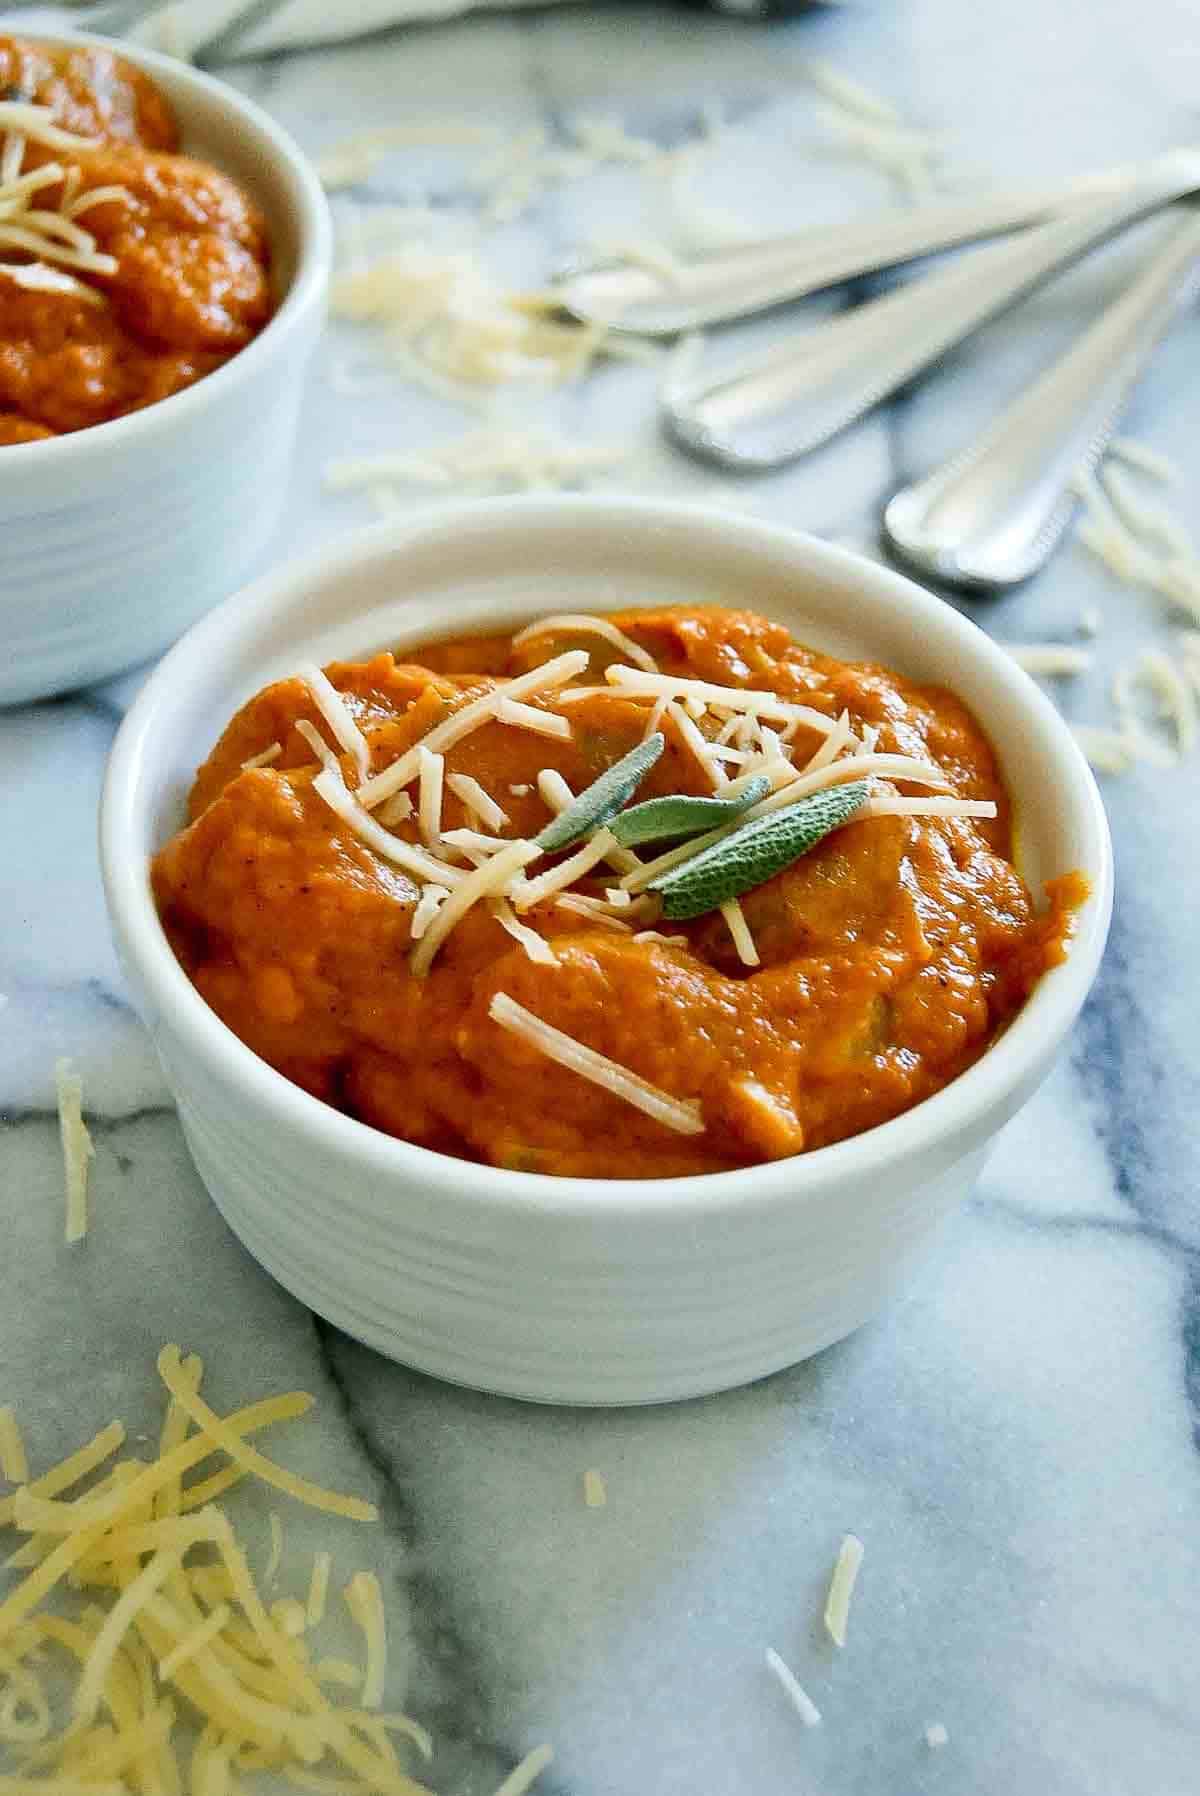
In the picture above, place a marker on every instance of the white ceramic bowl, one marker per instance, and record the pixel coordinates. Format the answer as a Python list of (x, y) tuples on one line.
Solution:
[(578, 1290), (118, 537)]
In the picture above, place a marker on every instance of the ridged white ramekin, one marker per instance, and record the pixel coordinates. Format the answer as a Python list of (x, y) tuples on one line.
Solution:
[(119, 537), (568, 1290)]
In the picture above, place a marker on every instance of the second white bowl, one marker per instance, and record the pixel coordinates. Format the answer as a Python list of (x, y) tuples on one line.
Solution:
[(580, 1290), (119, 537)]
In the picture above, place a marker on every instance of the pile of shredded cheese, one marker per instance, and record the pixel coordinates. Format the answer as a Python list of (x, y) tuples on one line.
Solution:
[(736, 736), (445, 323), (870, 126), (77, 1148), (138, 1598), (40, 245)]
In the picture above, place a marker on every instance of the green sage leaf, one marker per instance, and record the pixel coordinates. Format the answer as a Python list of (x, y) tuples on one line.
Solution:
[(664, 819), (600, 801), (756, 852)]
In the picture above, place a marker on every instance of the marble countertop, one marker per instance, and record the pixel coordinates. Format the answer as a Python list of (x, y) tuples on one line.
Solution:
[(1016, 1439)]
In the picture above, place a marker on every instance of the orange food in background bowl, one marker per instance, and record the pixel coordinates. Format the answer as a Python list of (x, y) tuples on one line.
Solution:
[(164, 264)]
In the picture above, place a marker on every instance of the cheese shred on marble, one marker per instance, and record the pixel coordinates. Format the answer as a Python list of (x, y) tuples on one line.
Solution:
[(77, 1148), (364, 1599), (801, 1701), (275, 1557), (595, 1491), (318, 1589), (841, 1588), (14, 1465), (524, 1775), (180, 1675)]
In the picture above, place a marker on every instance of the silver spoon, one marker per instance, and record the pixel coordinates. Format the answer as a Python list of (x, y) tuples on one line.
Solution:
[(746, 278), (770, 408), (991, 516)]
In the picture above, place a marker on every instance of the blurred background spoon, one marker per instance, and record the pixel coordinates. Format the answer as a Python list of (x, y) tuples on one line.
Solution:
[(770, 408), (991, 516), (642, 299)]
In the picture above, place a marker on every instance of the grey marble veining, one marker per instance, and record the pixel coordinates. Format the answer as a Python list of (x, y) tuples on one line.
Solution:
[(1016, 1440)]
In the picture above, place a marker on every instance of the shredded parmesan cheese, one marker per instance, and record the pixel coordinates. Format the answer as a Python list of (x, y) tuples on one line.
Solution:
[(695, 742), (682, 1115), (200, 1626), (275, 1557), (68, 1471), (633, 683), (396, 809), (1146, 460), (492, 879), (320, 748), (213, 1624), (528, 717), (850, 94), (536, 946), (595, 1491), (801, 1701), (739, 929), (76, 1146), (524, 1775), (14, 1465), (364, 1599), (886, 806), (488, 460), (329, 786), (587, 624), (534, 891), (1048, 657), (584, 907), (221, 1435), (334, 710), (265, 758), (841, 1588), (470, 793), (1108, 751), (547, 678), (425, 910), (431, 773), (1176, 700), (318, 1589)]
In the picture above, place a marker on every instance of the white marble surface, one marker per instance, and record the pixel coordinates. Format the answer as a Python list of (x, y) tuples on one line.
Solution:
[(1016, 1440)]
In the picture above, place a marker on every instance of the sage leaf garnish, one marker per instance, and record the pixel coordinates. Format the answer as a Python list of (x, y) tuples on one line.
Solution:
[(664, 819), (756, 852), (600, 801)]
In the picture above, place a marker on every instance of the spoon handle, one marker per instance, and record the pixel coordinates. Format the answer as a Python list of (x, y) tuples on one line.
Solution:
[(991, 516), (751, 277), (770, 408)]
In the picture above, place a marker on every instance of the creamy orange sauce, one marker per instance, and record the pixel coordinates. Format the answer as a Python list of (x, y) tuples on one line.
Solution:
[(891, 954), (192, 284)]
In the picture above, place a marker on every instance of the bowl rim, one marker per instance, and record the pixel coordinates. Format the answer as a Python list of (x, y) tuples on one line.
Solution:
[(942, 1122), (306, 289)]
